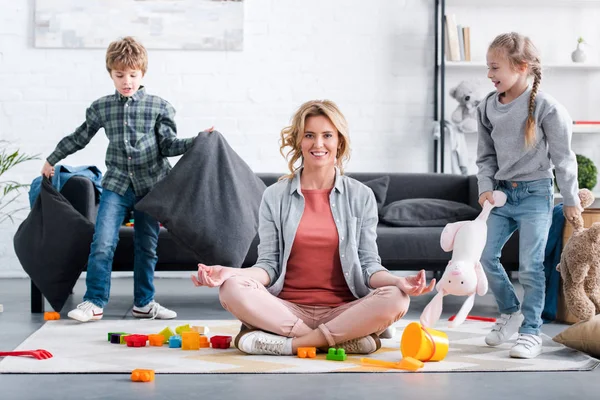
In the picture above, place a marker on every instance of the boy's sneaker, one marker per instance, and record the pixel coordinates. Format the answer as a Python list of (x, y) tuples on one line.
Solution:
[(364, 345), (259, 342), (86, 311), (506, 326), (153, 310), (527, 346)]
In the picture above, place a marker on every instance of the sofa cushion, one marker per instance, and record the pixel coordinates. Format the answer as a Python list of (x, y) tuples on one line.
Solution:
[(209, 202), (53, 245), (583, 336), (379, 186), (426, 212)]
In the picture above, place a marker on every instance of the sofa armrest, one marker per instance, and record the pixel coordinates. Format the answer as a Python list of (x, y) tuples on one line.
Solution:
[(474, 192), (81, 193)]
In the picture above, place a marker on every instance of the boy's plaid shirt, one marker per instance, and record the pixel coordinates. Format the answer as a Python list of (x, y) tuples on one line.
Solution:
[(141, 132)]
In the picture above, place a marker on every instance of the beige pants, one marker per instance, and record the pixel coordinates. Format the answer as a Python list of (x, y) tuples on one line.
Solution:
[(250, 302)]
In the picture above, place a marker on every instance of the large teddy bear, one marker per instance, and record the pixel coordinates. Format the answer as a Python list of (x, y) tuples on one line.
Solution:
[(468, 95), (579, 266)]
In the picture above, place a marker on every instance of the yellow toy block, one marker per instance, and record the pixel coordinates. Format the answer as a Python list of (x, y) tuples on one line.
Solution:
[(166, 333), (307, 352), (190, 341), (183, 328), (142, 375)]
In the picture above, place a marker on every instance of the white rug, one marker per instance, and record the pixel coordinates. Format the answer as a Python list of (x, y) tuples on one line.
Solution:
[(83, 348)]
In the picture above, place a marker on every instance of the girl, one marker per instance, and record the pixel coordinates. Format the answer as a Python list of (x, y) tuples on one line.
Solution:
[(522, 132)]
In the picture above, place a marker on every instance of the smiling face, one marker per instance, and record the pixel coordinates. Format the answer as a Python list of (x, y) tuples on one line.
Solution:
[(502, 74), (127, 81), (319, 143)]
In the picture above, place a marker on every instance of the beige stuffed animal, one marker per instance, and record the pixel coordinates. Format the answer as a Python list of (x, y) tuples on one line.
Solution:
[(580, 266)]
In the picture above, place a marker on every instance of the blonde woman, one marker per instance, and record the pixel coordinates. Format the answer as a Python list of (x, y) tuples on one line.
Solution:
[(318, 281)]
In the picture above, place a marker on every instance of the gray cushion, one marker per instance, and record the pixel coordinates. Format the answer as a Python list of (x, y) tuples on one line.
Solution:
[(209, 202), (379, 187), (53, 245), (426, 212)]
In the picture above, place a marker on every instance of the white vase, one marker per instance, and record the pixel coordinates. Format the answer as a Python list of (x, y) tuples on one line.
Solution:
[(578, 55)]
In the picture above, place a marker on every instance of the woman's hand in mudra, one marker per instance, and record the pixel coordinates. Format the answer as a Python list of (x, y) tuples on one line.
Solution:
[(415, 285), (212, 275)]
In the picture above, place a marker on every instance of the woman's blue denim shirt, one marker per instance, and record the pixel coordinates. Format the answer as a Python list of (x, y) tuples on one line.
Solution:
[(354, 211)]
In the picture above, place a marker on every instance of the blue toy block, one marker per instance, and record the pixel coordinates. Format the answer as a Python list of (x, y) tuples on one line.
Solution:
[(175, 341)]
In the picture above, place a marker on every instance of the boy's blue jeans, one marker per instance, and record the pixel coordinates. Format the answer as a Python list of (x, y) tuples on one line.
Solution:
[(529, 209), (111, 214)]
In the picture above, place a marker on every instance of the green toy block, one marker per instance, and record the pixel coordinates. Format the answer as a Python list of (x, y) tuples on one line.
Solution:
[(123, 336), (167, 333), (114, 333), (183, 328), (336, 354)]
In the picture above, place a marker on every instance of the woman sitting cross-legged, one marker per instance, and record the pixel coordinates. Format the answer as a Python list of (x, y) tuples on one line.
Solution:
[(318, 281)]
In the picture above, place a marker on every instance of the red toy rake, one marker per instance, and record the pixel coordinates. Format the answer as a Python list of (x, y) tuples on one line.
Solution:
[(39, 354)]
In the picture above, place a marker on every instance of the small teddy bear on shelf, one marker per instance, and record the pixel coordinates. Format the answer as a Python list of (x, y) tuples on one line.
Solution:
[(579, 266), (468, 95)]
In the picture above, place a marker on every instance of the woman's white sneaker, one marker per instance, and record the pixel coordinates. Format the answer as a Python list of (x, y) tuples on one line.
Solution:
[(527, 346), (259, 342), (153, 310), (506, 326), (86, 311)]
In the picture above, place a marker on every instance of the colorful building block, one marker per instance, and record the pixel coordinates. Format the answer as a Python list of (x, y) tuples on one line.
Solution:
[(175, 342), (142, 375), (204, 342), (190, 340), (51, 315), (136, 340), (115, 338), (220, 342), (123, 336), (336, 354), (167, 333), (156, 340), (203, 330), (183, 328), (307, 352), (112, 333)]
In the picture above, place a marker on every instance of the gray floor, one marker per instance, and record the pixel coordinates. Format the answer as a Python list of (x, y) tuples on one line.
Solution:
[(16, 324)]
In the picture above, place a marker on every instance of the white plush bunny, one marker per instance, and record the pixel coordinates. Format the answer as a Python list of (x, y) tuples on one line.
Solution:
[(464, 275)]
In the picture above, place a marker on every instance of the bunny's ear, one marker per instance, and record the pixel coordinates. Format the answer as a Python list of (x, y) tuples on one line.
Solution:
[(482, 282), (433, 310), (448, 234), (463, 313)]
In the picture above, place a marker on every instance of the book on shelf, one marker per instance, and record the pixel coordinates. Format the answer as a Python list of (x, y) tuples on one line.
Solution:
[(458, 40)]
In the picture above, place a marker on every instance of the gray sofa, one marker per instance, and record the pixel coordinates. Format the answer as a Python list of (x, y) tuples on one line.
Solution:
[(400, 248)]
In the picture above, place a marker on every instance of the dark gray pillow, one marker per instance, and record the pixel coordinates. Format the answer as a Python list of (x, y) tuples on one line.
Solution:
[(379, 186), (53, 245), (426, 212), (209, 202)]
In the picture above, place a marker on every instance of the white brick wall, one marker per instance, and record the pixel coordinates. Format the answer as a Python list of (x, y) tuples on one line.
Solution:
[(374, 58)]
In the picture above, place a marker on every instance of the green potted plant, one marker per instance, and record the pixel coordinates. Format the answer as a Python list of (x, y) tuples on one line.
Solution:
[(10, 190), (587, 173)]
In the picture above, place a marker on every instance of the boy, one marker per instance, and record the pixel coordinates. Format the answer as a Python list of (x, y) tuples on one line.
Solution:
[(142, 134)]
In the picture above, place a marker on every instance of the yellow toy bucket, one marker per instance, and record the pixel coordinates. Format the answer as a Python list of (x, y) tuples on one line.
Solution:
[(424, 344)]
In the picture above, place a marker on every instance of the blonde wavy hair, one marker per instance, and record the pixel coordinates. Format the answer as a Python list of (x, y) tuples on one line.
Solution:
[(291, 136), (520, 50), (126, 52)]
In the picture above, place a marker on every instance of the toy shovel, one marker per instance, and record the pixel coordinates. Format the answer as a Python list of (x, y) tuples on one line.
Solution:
[(407, 363)]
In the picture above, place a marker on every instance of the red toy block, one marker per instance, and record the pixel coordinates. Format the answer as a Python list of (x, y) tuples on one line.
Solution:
[(307, 352), (220, 342), (475, 318), (136, 340), (52, 315), (142, 375)]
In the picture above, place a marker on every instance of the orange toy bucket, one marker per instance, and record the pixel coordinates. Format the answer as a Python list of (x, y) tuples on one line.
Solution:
[(424, 344)]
